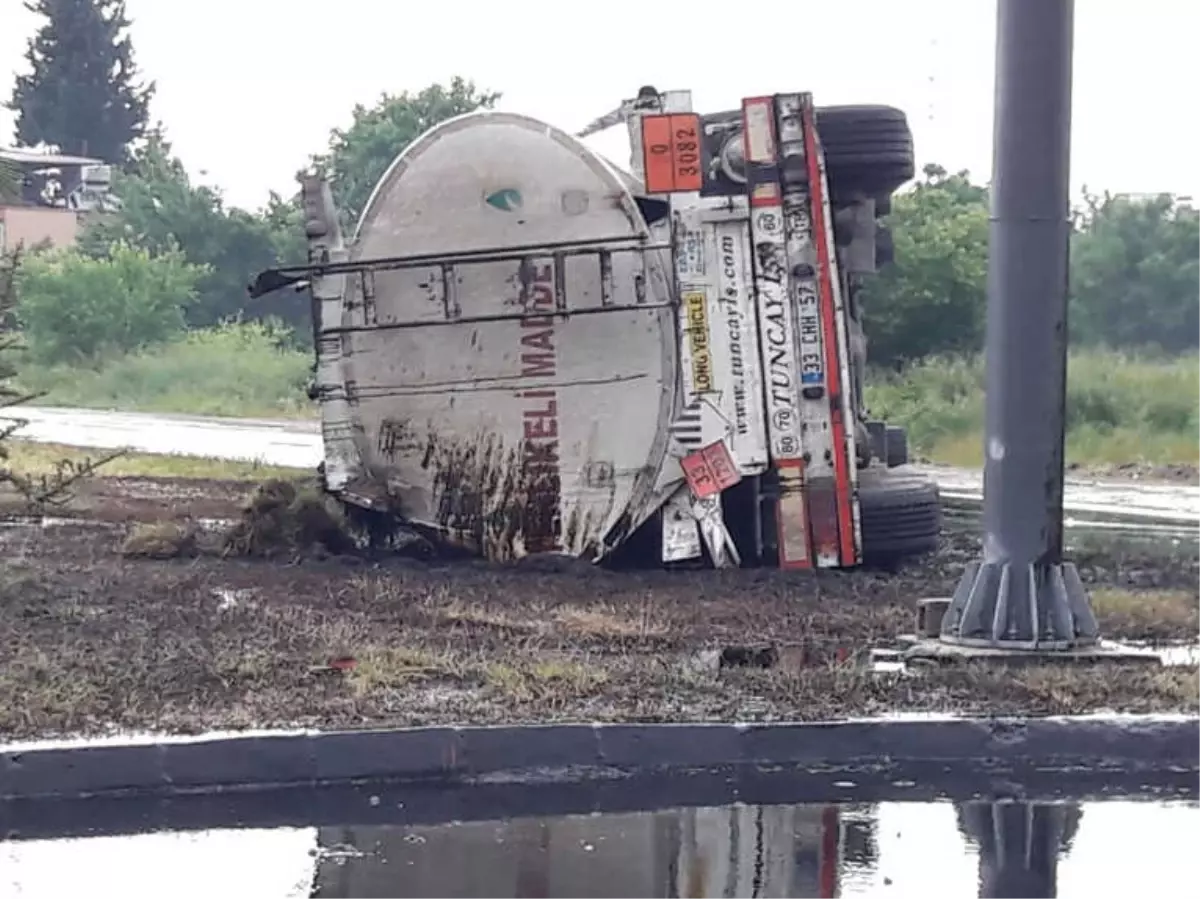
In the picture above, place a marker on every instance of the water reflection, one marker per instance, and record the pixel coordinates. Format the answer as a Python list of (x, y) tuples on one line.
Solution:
[(1004, 849), (733, 851), (1019, 844), (898, 849)]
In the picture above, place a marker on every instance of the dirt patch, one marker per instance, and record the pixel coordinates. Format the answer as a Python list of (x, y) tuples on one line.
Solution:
[(279, 520), (283, 519), (129, 499), (160, 540), (94, 640)]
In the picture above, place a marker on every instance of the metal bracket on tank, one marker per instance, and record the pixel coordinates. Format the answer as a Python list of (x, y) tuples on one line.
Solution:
[(721, 548), (273, 279), (648, 99)]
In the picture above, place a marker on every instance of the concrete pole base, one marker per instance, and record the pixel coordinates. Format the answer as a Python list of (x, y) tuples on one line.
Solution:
[(1028, 607), (931, 650), (1039, 615)]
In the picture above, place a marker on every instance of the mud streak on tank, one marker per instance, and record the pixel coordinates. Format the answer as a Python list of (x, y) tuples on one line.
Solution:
[(487, 499), (394, 434)]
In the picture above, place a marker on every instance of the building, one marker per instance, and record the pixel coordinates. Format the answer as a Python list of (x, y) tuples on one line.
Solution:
[(32, 226), (54, 191)]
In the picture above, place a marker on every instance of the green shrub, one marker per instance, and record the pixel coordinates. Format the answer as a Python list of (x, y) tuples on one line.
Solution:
[(1120, 407), (76, 309), (237, 369)]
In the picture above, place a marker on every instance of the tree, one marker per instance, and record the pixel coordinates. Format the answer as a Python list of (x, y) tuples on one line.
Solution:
[(83, 95), (35, 490), (161, 211), (8, 328), (933, 299), (1135, 274), (75, 309), (358, 156)]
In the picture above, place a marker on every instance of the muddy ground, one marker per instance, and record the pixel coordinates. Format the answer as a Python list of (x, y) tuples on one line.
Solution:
[(1167, 473), (91, 641)]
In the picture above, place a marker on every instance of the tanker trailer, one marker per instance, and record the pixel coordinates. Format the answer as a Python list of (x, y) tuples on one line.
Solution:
[(526, 350)]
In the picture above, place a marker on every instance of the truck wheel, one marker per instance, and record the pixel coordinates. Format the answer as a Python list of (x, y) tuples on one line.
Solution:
[(867, 148), (901, 515)]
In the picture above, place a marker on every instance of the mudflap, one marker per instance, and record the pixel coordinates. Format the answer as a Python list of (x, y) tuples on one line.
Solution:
[(692, 524), (717, 539), (680, 530), (709, 471), (693, 520)]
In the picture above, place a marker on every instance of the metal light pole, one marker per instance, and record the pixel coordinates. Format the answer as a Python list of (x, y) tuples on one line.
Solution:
[(1021, 595)]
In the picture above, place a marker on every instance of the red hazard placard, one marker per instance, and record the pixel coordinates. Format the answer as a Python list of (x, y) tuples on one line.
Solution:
[(710, 469), (671, 153)]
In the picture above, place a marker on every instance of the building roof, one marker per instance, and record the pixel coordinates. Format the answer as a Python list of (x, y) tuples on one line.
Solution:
[(37, 157)]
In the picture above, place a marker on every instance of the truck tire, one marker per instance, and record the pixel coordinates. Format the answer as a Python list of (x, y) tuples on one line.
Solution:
[(901, 515), (868, 149)]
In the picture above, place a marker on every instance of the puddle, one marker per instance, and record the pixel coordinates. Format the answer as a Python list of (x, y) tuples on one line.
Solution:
[(1109, 847), (1181, 655), (889, 660), (1182, 532), (229, 598), (1089, 498), (50, 521)]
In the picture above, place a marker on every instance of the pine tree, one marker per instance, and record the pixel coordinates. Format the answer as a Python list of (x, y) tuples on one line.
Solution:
[(83, 94)]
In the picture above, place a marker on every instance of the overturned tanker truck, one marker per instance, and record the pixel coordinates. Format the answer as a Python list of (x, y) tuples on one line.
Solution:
[(525, 349)]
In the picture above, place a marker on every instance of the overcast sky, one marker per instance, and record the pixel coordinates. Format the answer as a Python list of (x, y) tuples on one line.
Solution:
[(249, 88)]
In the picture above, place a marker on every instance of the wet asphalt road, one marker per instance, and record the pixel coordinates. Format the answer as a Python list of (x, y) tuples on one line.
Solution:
[(921, 849), (298, 444)]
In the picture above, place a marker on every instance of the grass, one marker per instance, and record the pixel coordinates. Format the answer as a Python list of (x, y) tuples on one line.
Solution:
[(1147, 614), (239, 371), (1120, 408), (37, 459)]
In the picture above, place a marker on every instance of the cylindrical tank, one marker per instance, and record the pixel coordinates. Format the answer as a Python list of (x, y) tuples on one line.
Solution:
[(516, 400)]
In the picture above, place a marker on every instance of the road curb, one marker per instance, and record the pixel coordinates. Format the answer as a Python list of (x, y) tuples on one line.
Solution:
[(459, 754)]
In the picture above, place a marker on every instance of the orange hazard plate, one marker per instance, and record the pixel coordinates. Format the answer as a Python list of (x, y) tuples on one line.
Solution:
[(671, 150), (710, 470)]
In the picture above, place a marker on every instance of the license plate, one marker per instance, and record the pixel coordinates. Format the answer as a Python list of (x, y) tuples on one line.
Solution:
[(812, 368)]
